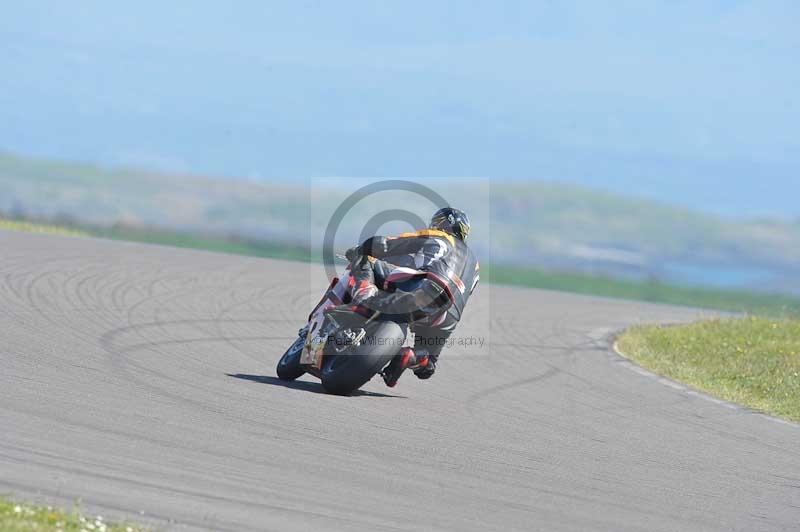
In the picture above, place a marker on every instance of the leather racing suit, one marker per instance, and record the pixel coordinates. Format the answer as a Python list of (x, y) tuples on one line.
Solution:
[(425, 277)]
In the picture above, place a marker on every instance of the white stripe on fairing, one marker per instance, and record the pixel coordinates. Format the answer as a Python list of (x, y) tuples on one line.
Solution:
[(439, 320), (402, 273), (449, 327)]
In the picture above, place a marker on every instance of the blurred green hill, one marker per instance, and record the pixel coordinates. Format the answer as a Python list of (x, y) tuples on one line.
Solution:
[(526, 223)]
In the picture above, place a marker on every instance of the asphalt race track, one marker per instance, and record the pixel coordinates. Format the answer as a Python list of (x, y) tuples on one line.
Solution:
[(140, 379)]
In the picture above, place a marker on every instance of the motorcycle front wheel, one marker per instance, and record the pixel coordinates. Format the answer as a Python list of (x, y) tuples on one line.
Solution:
[(289, 367)]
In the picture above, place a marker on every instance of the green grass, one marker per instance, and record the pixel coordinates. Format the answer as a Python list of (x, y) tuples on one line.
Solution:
[(31, 227), (231, 245), (22, 517), (753, 361), (655, 292)]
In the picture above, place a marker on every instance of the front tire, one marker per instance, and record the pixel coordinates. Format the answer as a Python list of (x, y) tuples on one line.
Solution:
[(344, 373), (289, 367)]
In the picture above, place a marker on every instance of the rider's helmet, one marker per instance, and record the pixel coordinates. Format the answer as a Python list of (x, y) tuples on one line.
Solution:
[(451, 221)]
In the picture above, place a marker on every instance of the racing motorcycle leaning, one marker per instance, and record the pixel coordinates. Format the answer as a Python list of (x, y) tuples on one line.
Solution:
[(345, 357)]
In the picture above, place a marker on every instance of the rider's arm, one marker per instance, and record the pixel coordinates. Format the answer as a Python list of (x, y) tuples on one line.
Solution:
[(381, 246)]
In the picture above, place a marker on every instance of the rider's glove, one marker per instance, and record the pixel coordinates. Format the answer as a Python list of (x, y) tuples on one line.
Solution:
[(352, 253), (426, 372)]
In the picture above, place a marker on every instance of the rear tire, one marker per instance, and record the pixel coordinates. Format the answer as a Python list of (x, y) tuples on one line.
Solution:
[(289, 367), (344, 373)]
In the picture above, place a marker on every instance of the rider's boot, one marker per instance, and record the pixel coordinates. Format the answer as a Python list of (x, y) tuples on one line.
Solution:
[(350, 314), (404, 360), (364, 286), (363, 291), (354, 313)]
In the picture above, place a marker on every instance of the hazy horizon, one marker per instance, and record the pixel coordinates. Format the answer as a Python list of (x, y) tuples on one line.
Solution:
[(692, 104)]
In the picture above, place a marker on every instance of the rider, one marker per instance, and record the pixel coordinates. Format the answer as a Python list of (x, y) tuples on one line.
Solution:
[(449, 272)]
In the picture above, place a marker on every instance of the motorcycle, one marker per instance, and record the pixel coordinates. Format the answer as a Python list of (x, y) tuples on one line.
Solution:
[(343, 358)]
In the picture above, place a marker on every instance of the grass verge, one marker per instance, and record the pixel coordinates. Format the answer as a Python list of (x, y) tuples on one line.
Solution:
[(654, 292), (21, 517), (650, 291), (753, 361), (32, 227), (221, 244)]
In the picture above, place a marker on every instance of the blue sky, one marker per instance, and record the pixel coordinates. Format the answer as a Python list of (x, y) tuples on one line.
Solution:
[(691, 102)]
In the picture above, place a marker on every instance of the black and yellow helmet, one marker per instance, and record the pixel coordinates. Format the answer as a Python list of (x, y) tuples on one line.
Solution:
[(451, 221)]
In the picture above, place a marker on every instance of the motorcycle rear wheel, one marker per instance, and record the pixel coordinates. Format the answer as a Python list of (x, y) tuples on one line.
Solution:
[(344, 373)]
